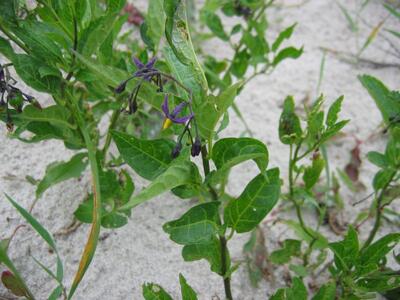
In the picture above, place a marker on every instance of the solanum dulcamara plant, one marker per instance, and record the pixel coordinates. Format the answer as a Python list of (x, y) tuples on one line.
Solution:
[(167, 101)]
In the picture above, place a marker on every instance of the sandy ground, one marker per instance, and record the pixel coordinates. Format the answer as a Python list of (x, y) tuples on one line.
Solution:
[(141, 252)]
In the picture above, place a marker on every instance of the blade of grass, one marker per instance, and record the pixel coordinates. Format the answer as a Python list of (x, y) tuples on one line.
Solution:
[(42, 232), (91, 244)]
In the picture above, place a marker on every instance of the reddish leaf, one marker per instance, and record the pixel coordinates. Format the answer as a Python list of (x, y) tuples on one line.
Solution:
[(12, 283)]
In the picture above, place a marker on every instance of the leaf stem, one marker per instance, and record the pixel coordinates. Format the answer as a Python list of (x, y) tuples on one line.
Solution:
[(379, 208), (222, 239)]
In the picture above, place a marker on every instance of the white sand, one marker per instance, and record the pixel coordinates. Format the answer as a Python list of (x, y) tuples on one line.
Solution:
[(141, 251)]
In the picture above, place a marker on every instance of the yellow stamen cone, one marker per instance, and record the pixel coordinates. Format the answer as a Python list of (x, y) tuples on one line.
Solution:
[(167, 123)]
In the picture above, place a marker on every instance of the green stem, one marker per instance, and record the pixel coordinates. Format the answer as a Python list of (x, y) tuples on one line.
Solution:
[(292, 162), (222, 239), (379, 208), (13, 38), (113, 121)]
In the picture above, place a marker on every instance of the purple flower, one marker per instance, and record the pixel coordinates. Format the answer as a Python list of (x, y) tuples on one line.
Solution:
[(145, 68), (172, 117)]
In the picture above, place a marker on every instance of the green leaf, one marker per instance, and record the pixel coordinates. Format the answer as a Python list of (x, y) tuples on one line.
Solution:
[(210, 251), (54, 114), (61, 171), (377, 159), (289, 52), (6, 49), (183, 74), (285, 34), (346, 251), (379, 249), (256, 201), (109, 75), (28, 68), (95, 34), (178, 37), (149, 158), (229, 152), (39, 37), (321, 241), (240, 63), (197, 226), (178, 173), (155, 21), (296, 292), (326, 292), (382, 178), (290, 248), (388, 105), (289, 123), (333, 112), (312, 173), (152, 291), (214, 23), (209, 112), (186, 290), (379, 282)]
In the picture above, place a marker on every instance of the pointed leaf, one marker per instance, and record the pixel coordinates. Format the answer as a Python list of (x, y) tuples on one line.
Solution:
[(256, 201), (149, 158), (61, 171), (186, 290), (177, 174), (197, 226)]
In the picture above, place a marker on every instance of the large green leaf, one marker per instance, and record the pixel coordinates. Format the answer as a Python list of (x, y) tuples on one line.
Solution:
[(198, 225), (178, 37), (177, 174), (149, 158), (388, 104), (30, 68), (210, 251), (256, 201), (61, 171), (54, 114), (229, 152), (183, 74)]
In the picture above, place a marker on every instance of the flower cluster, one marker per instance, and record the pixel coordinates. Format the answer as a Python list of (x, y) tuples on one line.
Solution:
[(11, 96), (147, 72)]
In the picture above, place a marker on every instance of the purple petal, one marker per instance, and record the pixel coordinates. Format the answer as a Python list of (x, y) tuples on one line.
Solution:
[(164, 106), (138, 63), (151, 62), (178, 109), (182, 120)]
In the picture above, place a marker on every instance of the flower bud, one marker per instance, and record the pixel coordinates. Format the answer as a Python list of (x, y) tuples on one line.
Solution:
[(196, 147), (119, 89), (177, 150)]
